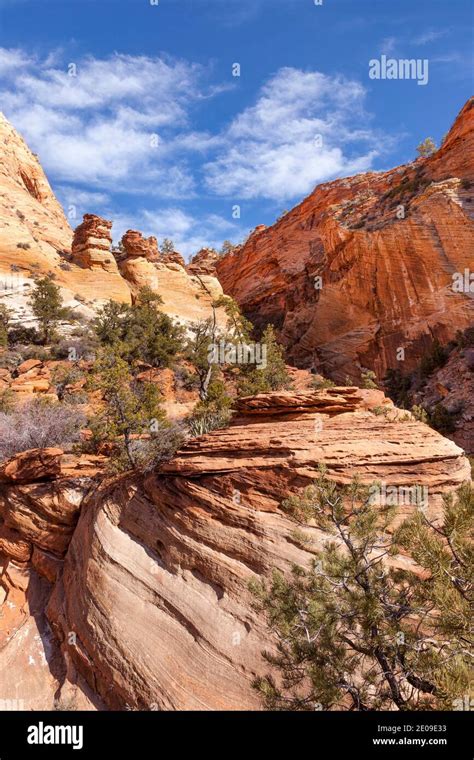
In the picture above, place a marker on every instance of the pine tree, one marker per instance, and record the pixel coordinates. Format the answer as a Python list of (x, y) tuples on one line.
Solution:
[(130, 408), (272, 375), (140, 332), (47, 306), (167, 246), (355, 631), (5, 316), (227, 247), (427, 147)]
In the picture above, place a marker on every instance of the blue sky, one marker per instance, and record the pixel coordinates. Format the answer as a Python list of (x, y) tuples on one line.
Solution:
[(155, 133)]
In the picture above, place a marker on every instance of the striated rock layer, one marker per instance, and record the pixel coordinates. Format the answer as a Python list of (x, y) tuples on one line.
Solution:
[(364, 266), (41, 492), (92, 243), (155, 581)]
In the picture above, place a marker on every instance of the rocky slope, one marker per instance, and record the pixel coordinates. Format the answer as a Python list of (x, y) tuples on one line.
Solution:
[(36, 240), (363, 266), (451, 388), (150, 606)]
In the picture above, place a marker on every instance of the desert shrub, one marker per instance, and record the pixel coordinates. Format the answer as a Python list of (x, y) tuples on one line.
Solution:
[(273, 376), (368, 379), (76, 399), (64, 375), (187, 380), (34, 352), (7, 401), (436, 357), (426, 148), (75, 348), (214, 411), (318, 382), (167, 246), (38, 424), (420, 414), (397, 386), (164, 441), (5, 316), (204, 420), (442, 420), (24, 335), (379, 411), (10, 359)]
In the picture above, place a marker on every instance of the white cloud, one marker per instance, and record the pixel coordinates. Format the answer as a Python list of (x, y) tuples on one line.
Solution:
[(124, 126), (388, 45), (187, 232), (115, 122), (292, 138), (430, 35), (11, 59)]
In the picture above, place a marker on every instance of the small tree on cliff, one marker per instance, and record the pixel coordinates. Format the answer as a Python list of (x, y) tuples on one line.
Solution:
[(427, 147), (227, 247), (47, 306), (140, 332), (130, 409), (355, 632), (5, 316), (167, 246), (272, 375)]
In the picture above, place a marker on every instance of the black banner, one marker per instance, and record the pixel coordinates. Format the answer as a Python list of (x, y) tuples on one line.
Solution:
[(140, 734)]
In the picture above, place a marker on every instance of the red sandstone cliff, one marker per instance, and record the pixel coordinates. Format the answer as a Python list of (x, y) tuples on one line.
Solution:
[(149, 602), (363, 266)]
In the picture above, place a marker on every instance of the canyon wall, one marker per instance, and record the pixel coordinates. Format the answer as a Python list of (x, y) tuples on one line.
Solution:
[(153, 608), (361, 272)]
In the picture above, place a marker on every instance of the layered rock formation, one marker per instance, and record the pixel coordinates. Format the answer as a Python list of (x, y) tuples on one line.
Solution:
[(204, 262), (36, 240), (41, 492), (187, 294), (363, 268), (155, 582), (135, 245), (92, 244)]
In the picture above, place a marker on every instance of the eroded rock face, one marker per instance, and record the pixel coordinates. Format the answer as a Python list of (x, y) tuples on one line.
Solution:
[(187, 298), (204, 262), (155, 582), (30, 215), (41, 492), (452, 388), (135, 245), (364, 266), (91, 246)]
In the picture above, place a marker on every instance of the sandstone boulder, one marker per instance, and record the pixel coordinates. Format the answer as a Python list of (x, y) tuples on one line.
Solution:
[(155, 581)]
